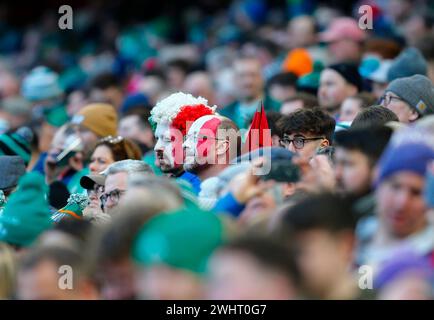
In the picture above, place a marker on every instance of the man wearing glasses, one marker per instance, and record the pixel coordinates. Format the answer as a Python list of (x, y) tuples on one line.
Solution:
[(306, 131), (409, 98), (116, 181)]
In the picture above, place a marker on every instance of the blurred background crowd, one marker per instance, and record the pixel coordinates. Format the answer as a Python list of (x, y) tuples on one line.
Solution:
[(127, 151)]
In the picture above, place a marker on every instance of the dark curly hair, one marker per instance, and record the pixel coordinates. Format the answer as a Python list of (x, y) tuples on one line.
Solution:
[(313, 121)]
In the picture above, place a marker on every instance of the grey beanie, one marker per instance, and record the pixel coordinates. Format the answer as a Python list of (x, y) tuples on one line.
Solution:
[(417, 91), (408, 63), (11, 169)]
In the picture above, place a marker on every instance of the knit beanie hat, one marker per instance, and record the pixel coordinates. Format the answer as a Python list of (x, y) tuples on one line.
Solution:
[(26, 214), (349, 72), (409, 156), (17, 144), (409, 62), (310, 82), (11, 169), (402, 262), (298, 61), (41, 84), (74, 208), (56, 115), (182, 239), (100, 118), (417, 91)]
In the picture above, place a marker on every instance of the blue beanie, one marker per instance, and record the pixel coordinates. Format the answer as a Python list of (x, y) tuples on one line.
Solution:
[(40, 84), (411, 156), (132, 101)]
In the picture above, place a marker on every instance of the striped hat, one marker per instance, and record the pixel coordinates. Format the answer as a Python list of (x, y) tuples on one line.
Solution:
[(17, 144), (73, 209)]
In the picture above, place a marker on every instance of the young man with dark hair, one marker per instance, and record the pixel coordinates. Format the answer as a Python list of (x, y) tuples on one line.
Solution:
[(357, 151), (299, 101), (374, 116), (106, 87), (320, 229), (253, 267), (282, 86), (352, 106), (135, 125), (306, 130)]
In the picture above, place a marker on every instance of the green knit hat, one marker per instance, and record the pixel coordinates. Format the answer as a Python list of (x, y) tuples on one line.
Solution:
[(183, 239), (17, 144), (56, 115), (26, 214), (74, 207), (311, 80)]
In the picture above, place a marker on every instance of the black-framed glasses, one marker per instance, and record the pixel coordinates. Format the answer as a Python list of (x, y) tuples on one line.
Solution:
[(386, 99), (114, 196), (298, 142)]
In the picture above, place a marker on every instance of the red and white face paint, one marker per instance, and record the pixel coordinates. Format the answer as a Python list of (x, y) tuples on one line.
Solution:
[(200, 142), (169, 154)]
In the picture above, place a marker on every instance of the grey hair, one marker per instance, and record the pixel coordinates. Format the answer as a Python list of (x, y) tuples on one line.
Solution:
[(129, 166), (154, 183)]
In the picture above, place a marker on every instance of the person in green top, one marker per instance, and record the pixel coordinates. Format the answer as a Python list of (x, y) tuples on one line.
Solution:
[(251, 92)]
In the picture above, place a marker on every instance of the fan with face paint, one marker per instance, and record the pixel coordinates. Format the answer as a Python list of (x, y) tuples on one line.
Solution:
[(172, 116), (211, 141)]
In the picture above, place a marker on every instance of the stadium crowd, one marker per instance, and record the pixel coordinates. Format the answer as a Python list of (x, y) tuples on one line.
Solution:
[(258, 152)]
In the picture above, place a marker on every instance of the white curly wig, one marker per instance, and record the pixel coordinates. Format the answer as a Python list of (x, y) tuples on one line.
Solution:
[(167, 109)]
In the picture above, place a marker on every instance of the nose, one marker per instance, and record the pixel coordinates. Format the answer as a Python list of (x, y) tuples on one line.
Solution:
[(109, 204), (158, 146), (338, 172), (93, 167), (292, 148), (402, 198)]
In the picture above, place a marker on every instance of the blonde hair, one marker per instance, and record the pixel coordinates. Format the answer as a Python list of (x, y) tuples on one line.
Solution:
[(7, 271)]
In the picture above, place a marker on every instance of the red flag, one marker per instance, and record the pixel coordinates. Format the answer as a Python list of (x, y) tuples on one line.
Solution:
[(259, 134)]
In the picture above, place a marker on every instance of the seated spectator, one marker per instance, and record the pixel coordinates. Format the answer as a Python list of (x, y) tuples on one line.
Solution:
[(116, 181), (353, 105), (410, 98), (321, 230), (306, 130), (170, 260), (112, 149), (11, 169), (338, 82), (282, 86), (374, 116), (253, 268), (250, 90), (298, 101), (401, 211), (39, 278)]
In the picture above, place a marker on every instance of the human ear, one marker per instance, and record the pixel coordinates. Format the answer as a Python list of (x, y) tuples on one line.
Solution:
[(413, 115)]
